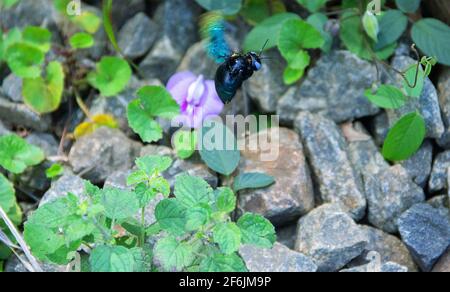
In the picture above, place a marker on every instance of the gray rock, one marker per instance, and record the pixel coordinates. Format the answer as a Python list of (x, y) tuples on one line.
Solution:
[(44, 141), (157, 150), (20, 115), (444, 101), (332, 170), (3, 129), (377, 265), (443, 265), (334, 87), (12, 88), (193, 167), (389, 190), (30, 12), (389, 247), (68, 183), (14, 265), (117, 106), (161, 62), (426, 233), (286, 235), (278, 259), (292, 194), (100, 154), (439, 174), (197, 61), (267, 86), (331, 237), (427, 104), (137, 36), (380, 127), (124, 10), (441, 201), (419, 165)]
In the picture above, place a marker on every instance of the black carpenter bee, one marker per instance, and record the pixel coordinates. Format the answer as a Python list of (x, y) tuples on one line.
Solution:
[(235, 68)]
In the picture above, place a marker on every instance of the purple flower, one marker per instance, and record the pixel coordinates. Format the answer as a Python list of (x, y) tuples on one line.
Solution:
[(196, 96)]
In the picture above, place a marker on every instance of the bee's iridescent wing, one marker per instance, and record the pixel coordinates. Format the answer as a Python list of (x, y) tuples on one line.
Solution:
[(212, 26)]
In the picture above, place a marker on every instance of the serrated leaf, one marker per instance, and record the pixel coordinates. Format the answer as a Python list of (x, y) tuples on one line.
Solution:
[(105, 258), (387, 96), (24, 60), (227, 236), (220, 263), (192, 191), (171, 216), (219, 149), (269, 29), (111, 77), (153, 164), (44, 95), (137, 177), (197, 217), (16, 154), (433, 38), (119, 204), (225, 200), (252, 181), (405, 137), (257, 230), (173, 255), (81, 40)]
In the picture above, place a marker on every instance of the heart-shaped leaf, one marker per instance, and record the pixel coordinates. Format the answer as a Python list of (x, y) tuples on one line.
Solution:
[(111, 77)]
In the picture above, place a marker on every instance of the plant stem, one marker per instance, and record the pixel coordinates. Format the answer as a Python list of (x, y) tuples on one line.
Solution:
[(142, 239)]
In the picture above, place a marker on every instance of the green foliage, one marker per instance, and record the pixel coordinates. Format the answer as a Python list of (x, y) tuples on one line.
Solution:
[(44, 95), (433, 38), (221, 157), (371, 25), (227, 7), (393, 24), (387, 96), (319, 20), (16, 154), (252, 181), (112, 259), (295, 36), (24, 60), (408, 6), (54, 171), (313, 5), (107, 24), (81, 40), (256, 11), (152, 102), (111, 77), (405, 138), (269, 29), (8, 3), (88, 21), (185, 142)]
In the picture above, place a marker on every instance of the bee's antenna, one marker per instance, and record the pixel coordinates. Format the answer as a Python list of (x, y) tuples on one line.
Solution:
[(262, 50)]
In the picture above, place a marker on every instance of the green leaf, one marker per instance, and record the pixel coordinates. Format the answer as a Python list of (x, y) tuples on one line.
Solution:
[(256, 11), (24, 60), (252, 181), (220, 263), (7, 194), (416, 91), (173, 255), (44, 95), (111, 77), (16, 154), (227, 236), (405, 138), (296, 34), (225, 200), (107, 24), (158, 102), (171, 217), (393, 24), (257, 230), (227, 7), (54, 171), (387, 96), (153, 164), (137, 177), (38, 37), (290, 75), (88, 21), (197, 217), (319, 20), (192, 191), (142, 123), (185, 143), (269, 29), (119, 204), (313, 5), (408, 6), (8, 3), (81, 40), (105, 258), (433, 38), (371, 25), (219, 149)]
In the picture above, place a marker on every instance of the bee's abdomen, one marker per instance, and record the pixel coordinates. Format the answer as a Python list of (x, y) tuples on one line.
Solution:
[(226, 84)]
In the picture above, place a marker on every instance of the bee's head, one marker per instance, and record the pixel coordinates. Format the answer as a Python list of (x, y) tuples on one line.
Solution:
[(255, 60)]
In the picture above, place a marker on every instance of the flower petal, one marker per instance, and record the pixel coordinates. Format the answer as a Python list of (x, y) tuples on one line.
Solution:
[(179, 91), (175, 79), (211, 103)]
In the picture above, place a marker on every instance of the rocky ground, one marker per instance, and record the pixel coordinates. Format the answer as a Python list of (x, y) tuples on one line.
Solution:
[(337, 204)]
